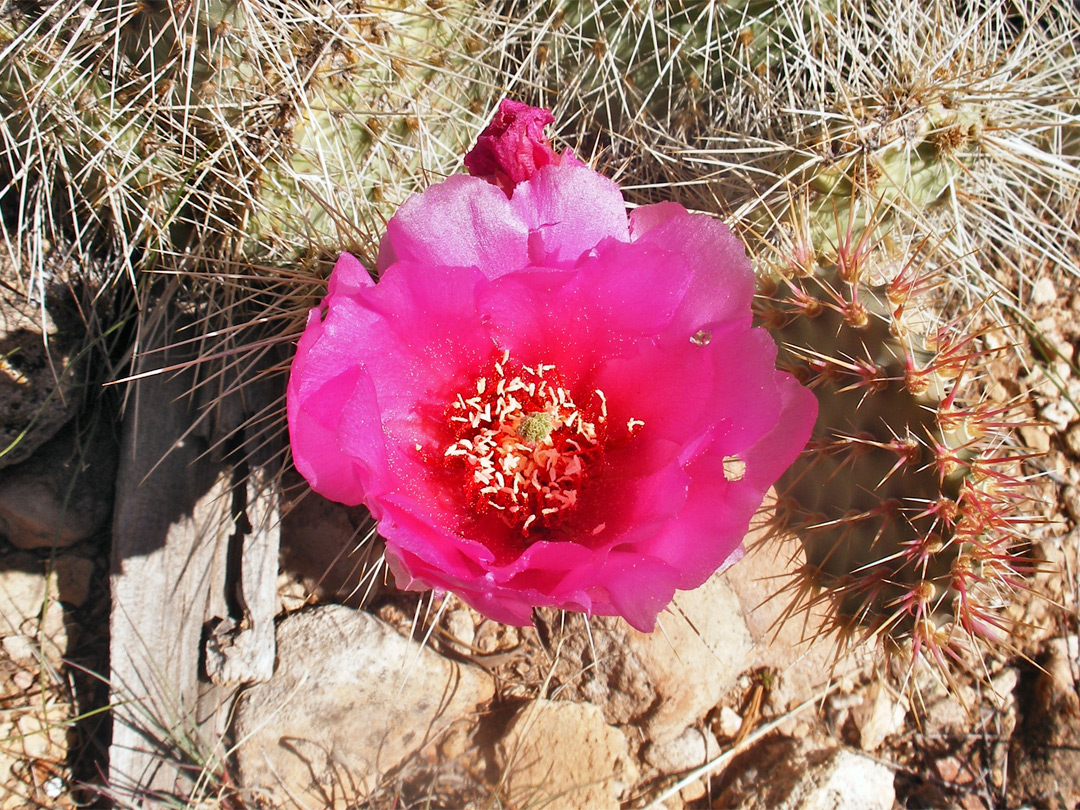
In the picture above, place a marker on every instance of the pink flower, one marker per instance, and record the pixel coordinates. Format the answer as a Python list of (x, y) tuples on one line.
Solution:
[(544, 401), (513, 147)]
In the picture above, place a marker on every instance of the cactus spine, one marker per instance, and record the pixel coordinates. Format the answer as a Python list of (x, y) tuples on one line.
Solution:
[(236, 129)]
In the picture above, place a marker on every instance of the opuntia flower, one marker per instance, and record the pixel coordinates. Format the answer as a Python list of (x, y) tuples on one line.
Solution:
[(544, 401), (513, 146)]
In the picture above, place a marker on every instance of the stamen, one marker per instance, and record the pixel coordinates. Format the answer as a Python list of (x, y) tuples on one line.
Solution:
[(526, 446)]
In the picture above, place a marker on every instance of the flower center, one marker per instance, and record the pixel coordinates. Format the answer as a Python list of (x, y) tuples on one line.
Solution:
[(525, 446)]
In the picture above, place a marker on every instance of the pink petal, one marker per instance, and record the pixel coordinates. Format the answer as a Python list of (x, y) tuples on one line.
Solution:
[(461, 222), (348, 277), (638, 588), (603, 309), (723, 278), (768, 458), (568, 210)]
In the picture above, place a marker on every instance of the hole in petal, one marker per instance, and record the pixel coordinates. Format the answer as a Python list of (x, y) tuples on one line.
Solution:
[(734, 468)]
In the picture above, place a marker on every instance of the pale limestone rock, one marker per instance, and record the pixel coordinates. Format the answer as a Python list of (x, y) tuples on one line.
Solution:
[(24, 679), (664, 681), (350, 700), (797, 647), (790, 775), (562, 754), (56, 632), (1044, 291), (69, 579), (880, 714), (730, 721), (22, 592), (20, 649), (694, 791), (460, 625), (703, 648), (691, 749)]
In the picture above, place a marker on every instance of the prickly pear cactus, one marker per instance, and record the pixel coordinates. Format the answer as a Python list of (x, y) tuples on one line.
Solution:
[(237, 130), (896, 170), (907, 500)]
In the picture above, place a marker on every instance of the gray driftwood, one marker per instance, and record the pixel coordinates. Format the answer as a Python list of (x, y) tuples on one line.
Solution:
[(189, 566)]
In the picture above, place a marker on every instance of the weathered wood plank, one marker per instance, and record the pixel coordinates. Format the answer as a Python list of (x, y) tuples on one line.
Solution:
[(174, 579), (168, 573)]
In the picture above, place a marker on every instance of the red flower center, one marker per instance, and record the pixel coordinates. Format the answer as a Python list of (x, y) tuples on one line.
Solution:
[(523, 444)]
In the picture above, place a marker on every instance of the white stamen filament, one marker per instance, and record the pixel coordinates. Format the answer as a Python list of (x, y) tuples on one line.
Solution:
[(525, 453)]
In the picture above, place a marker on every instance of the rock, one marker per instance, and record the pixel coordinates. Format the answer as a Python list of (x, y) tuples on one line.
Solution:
[(56, 632), (20, 649), (462, 628), (557, 753), (326, 547), (1060, 413), (694, 791), (62, 494), (22, 592), (30, 738), (24, 679), (38, 384), (797, 648), (70, 579), (1061, 672), (663, 681), (350, 700), (1043, 291), (790, 775), (729, 722), (1071, 494), (1072, 443), (691, 749), (879, 715), (1044, 760)]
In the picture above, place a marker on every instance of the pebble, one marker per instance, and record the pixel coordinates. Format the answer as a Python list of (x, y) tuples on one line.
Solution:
[(24, 679), (1043, 291), (793, 775), (1036, 438), (1072, 440), (1060, 413), (880, 715), (22, 591), (460, 625), (691, 749), (20, 648), (729, 722)]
